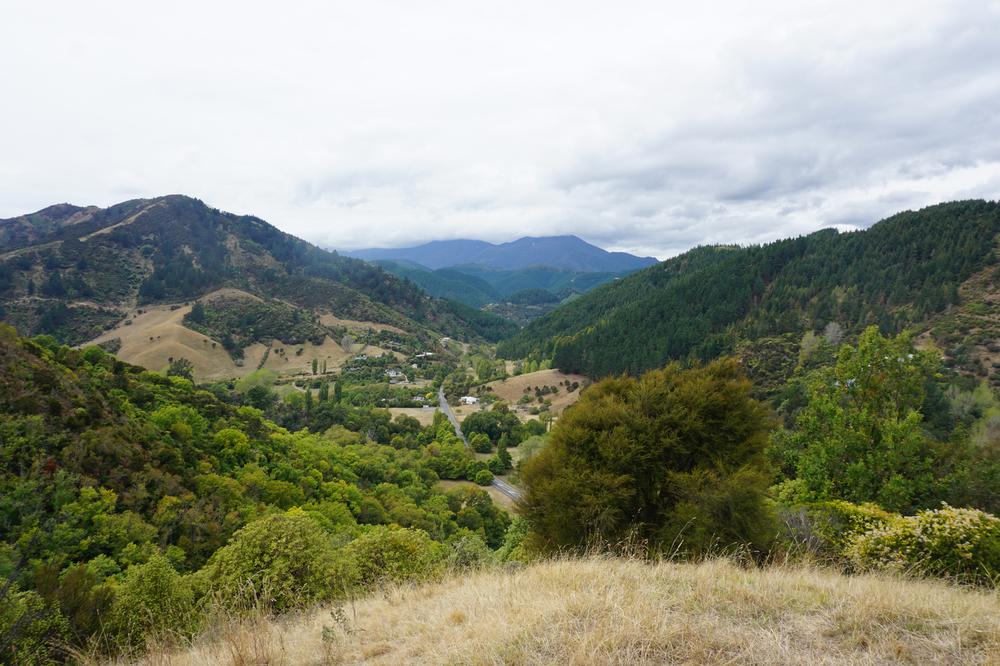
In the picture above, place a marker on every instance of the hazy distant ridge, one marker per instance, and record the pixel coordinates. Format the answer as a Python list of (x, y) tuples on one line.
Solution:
[(564, 252)]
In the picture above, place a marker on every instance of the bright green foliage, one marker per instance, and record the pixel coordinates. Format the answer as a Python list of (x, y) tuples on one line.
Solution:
[(514, 548), (675, 458), (276, 563), (860, 436), (484, 477), (955, 543), (392, 554), (29, 629), (152, 601), (449, 460), (114, 478)]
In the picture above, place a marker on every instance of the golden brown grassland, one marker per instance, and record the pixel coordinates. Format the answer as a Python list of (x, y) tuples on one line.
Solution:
[(620, 611)]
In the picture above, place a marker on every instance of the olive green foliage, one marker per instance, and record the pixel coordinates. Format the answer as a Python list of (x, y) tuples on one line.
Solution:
[(467, 550), (480, 442), (392, 554), (963, 544), (152, 601), (484, 477), (674, 458), (495, 424), (276, 563), (30, 630), (181, 367), (240, 322)]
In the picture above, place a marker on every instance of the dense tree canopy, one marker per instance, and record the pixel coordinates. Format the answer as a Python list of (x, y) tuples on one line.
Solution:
[(675, 458), (874, 427), (702, 303), (116, 482)]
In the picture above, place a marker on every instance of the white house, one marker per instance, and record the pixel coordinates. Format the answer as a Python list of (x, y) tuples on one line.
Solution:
[(469, 400)]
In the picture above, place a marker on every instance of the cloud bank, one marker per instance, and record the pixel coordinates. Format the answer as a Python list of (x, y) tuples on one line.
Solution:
[(641, 126)]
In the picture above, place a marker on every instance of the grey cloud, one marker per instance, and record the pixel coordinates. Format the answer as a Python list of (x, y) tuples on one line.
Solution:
[(380, 124)]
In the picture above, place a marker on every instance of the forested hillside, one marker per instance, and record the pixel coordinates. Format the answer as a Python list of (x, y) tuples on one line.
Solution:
[(125, 495), (73, 272), (906, 270)]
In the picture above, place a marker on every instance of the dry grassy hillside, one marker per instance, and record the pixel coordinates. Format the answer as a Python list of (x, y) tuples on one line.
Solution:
[(600, 611), (512, 388), (156, 334), (153, 335)]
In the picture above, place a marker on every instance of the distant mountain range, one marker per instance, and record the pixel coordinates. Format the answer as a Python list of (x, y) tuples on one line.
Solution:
[(567, 253)]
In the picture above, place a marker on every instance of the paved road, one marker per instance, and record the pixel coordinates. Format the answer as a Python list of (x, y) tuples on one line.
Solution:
[(504, 487)]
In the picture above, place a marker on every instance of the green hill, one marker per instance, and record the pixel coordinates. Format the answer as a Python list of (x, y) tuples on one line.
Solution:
[(477, 286), (444, 282), (911, 269), (73, 272)]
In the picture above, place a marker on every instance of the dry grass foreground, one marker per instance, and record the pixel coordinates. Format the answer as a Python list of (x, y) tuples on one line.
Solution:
[(609, 611)]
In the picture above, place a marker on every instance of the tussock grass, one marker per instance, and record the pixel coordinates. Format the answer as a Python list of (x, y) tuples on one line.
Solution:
[(620, 611)]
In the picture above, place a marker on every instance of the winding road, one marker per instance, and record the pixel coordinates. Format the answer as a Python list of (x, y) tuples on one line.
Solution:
[(504, 487)]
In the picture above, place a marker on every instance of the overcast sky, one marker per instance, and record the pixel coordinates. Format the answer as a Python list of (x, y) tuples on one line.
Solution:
[(649, 127)]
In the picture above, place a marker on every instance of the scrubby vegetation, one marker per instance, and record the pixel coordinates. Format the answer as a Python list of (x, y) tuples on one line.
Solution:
[(240, 322)]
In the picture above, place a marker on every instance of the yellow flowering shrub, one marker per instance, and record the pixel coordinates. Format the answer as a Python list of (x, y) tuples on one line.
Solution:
[(950, 542)]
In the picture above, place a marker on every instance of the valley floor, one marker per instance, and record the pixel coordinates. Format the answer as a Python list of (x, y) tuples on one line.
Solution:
[(599, 611)]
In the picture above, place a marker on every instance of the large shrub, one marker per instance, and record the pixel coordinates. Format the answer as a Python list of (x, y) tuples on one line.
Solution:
[(277, 563), (152, 600), (674, 458), (467, 550), (958, 543), (392, 554)]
